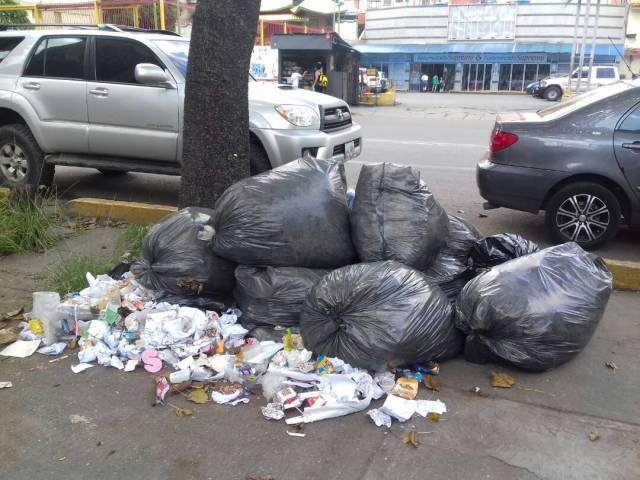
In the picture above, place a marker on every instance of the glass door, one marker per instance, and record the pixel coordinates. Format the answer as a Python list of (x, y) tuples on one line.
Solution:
[(530, 73), (517, 78), (505, 77), (487, 76)]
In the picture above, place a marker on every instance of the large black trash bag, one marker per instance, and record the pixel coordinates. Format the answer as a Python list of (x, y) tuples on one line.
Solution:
[(178, 259), (535, 312), (372, 314), (450, 270), (396, 217), (497, 249), (273, 296), (292, 216)]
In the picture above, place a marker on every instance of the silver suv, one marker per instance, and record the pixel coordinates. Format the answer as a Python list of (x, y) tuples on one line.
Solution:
[(112, 99)]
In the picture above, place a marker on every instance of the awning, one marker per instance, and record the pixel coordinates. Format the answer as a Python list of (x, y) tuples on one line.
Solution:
[(321, 7), (275, 5), (283, 17), (484, 48)]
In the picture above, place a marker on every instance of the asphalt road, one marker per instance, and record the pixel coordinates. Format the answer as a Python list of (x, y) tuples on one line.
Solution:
[(442, 135)]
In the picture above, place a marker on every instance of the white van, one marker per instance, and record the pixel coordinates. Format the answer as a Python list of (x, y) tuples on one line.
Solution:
[(553, 88)]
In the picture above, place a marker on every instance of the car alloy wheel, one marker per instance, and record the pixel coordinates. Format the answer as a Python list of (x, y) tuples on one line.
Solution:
[(13, 163), (583, 218)]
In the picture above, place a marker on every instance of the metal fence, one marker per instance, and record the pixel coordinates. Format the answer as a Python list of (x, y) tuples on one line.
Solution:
[(174, 15)]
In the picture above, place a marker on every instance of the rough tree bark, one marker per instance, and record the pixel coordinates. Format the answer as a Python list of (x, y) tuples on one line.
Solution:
[(216, 110)]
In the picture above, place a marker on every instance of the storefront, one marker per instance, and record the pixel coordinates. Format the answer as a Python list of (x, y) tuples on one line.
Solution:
[(476, 69), (339, 60)]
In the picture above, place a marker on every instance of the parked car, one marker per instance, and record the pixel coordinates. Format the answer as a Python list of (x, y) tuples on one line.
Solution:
[(552, 88), (532, 87), (579, 161), (113, 100)]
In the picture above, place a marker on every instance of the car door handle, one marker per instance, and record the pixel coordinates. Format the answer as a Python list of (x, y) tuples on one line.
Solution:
[(632, 146), (31, 86), (99, 92)]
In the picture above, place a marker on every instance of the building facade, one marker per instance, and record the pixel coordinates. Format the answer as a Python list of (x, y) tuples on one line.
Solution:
[(494, 47), (631, 65)]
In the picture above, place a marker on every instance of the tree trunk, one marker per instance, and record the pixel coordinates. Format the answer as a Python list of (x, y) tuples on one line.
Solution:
[(216, 111)]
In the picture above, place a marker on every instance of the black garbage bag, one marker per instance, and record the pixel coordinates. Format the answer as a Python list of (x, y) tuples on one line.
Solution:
[(273, 295), (451, 270), (178, 259), (372, 314), (497, 249), (292, 216), (396, 217), (535, 312)]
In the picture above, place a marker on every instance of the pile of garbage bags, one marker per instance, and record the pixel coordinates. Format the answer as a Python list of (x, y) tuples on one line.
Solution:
[(283, 286)]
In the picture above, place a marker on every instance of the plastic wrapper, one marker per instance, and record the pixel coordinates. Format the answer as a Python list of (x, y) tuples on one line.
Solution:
[(451, 270), (372, 314), (497, 249), (273, 296), (395, 217), (293, 215), (178, 260), (535, 312)]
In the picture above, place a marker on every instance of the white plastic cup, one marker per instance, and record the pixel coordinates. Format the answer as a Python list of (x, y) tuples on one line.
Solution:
[(45, 309)]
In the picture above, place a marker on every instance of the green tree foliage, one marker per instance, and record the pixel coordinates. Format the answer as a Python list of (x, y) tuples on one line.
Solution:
[(12, 16)]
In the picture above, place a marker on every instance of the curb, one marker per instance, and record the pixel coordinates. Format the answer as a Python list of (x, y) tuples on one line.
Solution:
[(131, 212), (626, 275)]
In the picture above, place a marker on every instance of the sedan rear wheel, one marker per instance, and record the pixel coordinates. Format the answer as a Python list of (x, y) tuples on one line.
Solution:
[(585, 213)]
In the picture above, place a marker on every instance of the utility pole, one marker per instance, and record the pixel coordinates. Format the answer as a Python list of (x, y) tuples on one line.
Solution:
[(594, 38), (575, 41), (585, 31)]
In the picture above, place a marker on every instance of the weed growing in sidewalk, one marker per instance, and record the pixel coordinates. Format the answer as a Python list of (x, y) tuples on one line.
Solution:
[(70, 274), (130, 241), (26, 222)]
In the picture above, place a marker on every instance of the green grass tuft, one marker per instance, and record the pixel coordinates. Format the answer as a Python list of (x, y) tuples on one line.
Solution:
[(26, 225), (70, 274), (130, 240)]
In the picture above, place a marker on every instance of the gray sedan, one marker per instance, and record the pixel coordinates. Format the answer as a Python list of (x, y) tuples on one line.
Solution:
[(578, 160)]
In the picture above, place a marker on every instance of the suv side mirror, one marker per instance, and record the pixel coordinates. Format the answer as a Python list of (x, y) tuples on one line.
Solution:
[(152, 75)]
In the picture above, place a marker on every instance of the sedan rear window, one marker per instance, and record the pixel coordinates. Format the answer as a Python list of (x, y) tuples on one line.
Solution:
[(580, 101), (7, 44)]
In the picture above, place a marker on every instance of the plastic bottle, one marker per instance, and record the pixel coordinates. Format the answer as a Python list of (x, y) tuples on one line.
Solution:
[(45, 309)]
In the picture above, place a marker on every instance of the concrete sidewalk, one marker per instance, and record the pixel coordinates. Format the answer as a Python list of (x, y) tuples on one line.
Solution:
[(100, 424)]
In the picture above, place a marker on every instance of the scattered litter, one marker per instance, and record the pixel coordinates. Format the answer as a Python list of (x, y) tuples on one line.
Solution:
[(501, 380), (425, 407), (6, 384), (479, 392), (431, 383), (77, 419), (55, 360), (612, 365), (379, 418), (483, 215), (399, 408), (183, 412), (17, 315), (81, 367), (53, 349), (21, 348), (593, 436), (9, 334), (434, 417), (273, 411), (411, 439), (162, 387), (198, 395), (297, 430), (406, 388)]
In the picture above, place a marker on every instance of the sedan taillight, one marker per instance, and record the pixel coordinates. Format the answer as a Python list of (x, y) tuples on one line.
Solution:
[(501, 140)]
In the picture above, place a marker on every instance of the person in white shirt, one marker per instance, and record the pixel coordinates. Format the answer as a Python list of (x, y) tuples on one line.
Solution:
[(425, 81), (295, 79)]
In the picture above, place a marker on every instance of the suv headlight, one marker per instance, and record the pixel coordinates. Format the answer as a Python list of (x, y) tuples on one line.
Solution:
[(543, 83), (299, 115)]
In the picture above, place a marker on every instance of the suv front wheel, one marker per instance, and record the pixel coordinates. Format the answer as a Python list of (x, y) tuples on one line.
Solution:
[(21, 160), (584, 212), (553, 94)]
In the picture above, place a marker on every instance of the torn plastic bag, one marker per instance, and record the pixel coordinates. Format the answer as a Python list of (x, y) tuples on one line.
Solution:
[(373, 314), (273, 296), (177, 257), (293, 215), (497, 249), (450, 270), (535, 312), (396, 217)]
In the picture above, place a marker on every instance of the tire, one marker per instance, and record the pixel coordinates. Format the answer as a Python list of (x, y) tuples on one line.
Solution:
[(112, 173), (21, 159), (258, 159), (583, 212), (553, 94)]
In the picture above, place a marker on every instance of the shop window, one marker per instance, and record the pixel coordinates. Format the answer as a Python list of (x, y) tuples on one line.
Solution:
[(517, 78)]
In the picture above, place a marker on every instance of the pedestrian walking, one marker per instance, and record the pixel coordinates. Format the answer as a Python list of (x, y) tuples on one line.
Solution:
[(320, 80), (435, 83), (295, 78)]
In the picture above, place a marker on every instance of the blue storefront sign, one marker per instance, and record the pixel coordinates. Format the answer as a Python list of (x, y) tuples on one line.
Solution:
[(480, 57)]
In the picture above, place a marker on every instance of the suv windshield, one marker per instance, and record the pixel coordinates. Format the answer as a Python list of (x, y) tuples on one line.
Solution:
[(178, 52)]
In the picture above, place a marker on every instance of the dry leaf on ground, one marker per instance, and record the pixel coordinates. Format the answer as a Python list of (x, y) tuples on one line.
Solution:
[(501, 380), (198, 395), (431, 383), (434, 417), (183, 412), (411, 439), (593, 436), (612, 365), (9, 335)]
